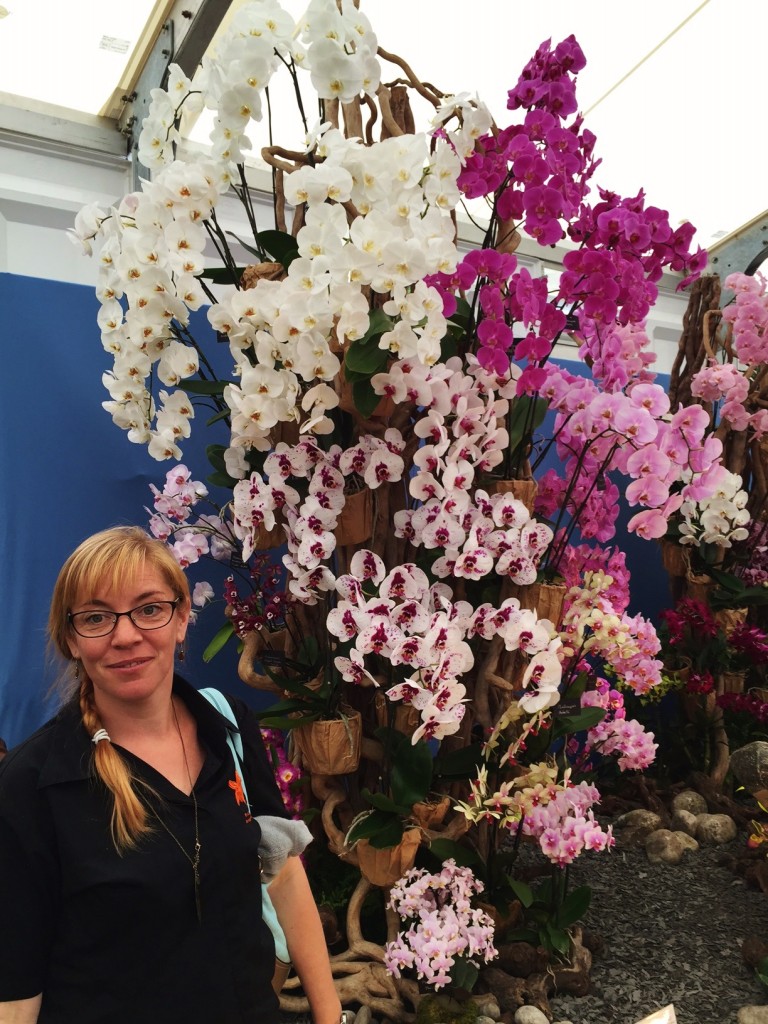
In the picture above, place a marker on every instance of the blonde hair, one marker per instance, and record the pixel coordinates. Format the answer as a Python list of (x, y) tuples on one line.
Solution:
[(108, 559)]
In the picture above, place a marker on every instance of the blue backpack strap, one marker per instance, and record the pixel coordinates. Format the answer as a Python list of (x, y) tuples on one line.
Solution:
[(235, 743)]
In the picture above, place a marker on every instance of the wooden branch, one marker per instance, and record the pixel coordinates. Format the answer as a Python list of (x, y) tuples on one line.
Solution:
[(429, 93), (278, 157), (390, 124)]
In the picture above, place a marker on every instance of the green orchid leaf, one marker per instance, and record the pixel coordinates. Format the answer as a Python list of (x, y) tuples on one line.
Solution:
[(459, 764), (587, 718), (223, 415), (574, 906), (527, 414), (280, 245), (411, 776), (365, 359), (220, 480), (203, 387), (218, 641), (375, 825), (391, 835), (523, 892), (555, 938), (383, 803), (465, 857), (464, 975), (223, 275), (364, 397)]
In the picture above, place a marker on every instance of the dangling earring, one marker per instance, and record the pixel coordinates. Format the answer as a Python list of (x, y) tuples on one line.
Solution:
[(182, 651), (77, 669)]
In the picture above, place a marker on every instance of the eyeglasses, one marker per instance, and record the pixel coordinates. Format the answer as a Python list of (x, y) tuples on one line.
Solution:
[(147, 616)]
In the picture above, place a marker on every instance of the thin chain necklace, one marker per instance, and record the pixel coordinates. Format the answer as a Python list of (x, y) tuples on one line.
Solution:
[(193, 860)]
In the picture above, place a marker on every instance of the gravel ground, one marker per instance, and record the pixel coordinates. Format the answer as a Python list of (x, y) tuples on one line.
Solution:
[(671, 934)]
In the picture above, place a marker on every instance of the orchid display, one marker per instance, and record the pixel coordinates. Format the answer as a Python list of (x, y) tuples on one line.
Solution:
[(382, 377), (446, 930)]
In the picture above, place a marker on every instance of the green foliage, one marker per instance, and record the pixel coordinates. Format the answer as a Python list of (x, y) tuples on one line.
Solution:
[(548, 912), (218, 641), (762, 971)]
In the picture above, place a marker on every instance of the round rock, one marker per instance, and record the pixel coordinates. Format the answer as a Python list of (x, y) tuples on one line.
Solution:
[(750, 765), (691, 801), (663, 847), (753, 1015), (684, 821), (635, 825), (530, 1015), (715, 829)]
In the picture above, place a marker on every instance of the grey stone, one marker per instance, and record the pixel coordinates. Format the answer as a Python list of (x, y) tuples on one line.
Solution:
[(686, 840), (530, 1015), (484, 1019), (691, 801), (634, 826), (684, 821), (750, 765), (663, 847), (715, 829), (487, 1005), (752, 1015)]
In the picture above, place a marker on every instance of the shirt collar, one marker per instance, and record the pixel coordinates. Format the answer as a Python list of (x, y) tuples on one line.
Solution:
[(69, 756)]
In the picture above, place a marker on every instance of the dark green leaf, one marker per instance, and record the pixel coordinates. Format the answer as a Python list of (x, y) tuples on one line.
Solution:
[(522, 935), (383, 803), (365, 359), (556, 939), (464, 975), (587, 718), (527, 414), (385, 828), (575, 906), (459, 764), (218, 641), (447, 849), (223, 275), (365, 398), (280, 245), (224, 414), (220, 480), (203, 387), (523, 892), (411, 776)]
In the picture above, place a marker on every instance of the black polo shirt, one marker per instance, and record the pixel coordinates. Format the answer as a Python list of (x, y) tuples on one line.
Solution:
[(110, 939)]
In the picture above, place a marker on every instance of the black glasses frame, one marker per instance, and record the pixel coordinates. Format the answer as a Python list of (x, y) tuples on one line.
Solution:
[(73, 616)]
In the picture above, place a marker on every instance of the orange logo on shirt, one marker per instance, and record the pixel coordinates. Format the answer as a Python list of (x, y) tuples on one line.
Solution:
[(236, 785)]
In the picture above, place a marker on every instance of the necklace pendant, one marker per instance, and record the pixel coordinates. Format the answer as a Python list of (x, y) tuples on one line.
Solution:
[(198, 901)]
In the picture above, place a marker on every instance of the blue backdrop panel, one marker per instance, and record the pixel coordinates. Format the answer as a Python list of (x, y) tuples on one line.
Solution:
[(67, 472)]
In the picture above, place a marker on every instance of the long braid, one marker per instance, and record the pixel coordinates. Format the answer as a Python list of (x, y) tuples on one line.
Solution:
[(129, 817)]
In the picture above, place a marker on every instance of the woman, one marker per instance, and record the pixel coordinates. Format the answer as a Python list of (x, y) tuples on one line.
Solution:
[(129, 872)]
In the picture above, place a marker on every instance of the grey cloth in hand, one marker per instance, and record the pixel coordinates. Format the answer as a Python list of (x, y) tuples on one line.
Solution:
[(281, 838)]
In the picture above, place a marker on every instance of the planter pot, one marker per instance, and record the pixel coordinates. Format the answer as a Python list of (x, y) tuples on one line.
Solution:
[(674, 559), (731, 682), (330, 747), (549, 604), (730, 618), (385, 867), (406, 717), (431, 815), (355, 524), (698, 587), (523, 490)]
